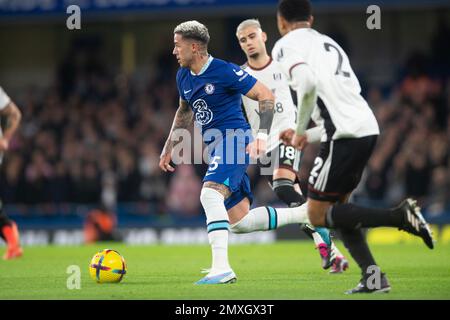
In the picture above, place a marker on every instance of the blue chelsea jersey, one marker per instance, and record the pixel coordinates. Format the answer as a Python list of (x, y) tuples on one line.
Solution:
[(215, 94)]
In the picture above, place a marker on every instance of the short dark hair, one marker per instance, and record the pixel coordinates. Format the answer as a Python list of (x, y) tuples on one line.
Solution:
[(295, 10)]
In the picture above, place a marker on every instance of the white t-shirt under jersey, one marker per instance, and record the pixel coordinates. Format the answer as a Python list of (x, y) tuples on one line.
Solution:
[(340, 106), (285, 110)]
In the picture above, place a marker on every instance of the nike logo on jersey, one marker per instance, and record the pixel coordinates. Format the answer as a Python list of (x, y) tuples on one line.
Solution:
[(239, 73), (209, 173), (187, 91)]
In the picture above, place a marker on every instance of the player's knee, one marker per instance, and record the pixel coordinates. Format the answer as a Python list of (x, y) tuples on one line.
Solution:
[(285, 191), (240, 227), (209, 196)]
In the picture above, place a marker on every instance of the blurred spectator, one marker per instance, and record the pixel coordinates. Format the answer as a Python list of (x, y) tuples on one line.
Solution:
[(439, 192), (412, 153), (184, 192), (100, 225)]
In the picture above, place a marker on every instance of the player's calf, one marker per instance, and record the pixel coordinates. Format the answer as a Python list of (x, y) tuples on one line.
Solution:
[(269, 218), (406, 217), (285, 191), (217, 227), (317, 212)]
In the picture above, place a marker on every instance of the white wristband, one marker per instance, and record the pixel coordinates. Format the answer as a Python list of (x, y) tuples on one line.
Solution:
[(262, 136), (314, 134)]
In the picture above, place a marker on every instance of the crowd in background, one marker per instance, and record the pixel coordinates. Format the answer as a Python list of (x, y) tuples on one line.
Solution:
[(95, 137), (412, 154)]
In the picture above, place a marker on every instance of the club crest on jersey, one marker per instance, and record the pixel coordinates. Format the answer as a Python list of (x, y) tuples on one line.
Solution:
[(203, 115), (209, 88)]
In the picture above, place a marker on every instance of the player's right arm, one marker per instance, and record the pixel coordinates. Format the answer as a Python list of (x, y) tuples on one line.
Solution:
[(303, 81), (182, 120), (12, 115)]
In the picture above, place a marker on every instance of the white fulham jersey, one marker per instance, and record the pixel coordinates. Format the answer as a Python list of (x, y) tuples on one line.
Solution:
[(340, 106), (285, 110), (4, 99)]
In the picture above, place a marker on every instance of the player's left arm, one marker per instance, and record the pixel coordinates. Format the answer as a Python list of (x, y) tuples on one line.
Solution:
[(266, 102), (12, 116)]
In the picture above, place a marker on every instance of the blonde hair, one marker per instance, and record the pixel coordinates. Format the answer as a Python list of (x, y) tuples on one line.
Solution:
[(248, 23), (193, 30)]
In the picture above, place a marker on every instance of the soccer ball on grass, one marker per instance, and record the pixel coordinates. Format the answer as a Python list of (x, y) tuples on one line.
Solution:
[(107, 266)]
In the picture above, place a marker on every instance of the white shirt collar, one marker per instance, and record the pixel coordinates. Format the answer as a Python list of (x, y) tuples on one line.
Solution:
[(205, 66)]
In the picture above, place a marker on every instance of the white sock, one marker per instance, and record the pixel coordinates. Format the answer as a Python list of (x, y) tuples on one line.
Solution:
[(292, 215), (268, 218), (317, 238), (219, 246), (217, 226), (255, 220)]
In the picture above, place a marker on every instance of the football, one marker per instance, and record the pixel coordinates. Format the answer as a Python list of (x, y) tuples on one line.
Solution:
[(107, 266)]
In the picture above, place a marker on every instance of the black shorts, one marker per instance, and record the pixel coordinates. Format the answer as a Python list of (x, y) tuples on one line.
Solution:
[(338, 167), (283, 156)]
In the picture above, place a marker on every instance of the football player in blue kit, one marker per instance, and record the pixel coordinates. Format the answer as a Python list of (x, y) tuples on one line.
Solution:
[(210, 91)]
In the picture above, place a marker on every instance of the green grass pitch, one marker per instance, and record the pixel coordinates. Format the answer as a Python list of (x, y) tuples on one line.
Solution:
[(284, 270)]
